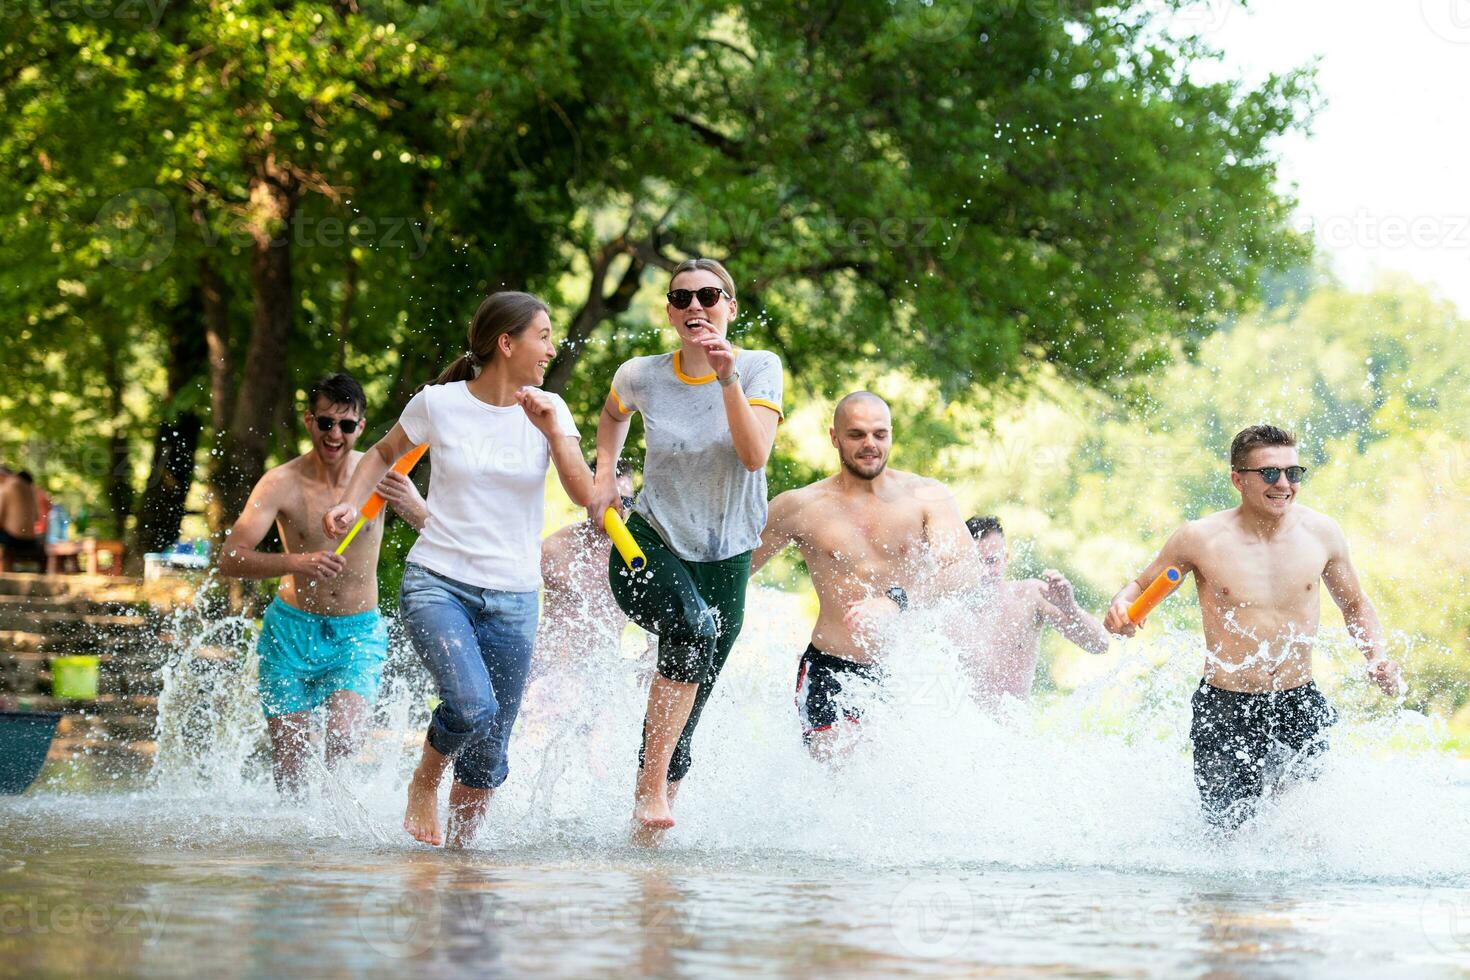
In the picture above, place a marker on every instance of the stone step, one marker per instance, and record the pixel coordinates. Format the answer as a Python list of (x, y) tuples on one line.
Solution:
[(104, 705), (25, 641), (161, 593), (138, 752), (67, 623), (69, 604)]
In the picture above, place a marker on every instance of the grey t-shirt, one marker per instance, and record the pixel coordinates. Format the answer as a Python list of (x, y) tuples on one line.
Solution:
[(696, 493)]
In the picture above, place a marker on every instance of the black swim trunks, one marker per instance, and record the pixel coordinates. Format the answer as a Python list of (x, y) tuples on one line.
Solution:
[(23, 549), (1246, 744), (818, 682)]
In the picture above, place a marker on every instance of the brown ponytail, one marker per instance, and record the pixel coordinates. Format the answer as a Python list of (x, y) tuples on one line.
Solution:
[(504, 312)]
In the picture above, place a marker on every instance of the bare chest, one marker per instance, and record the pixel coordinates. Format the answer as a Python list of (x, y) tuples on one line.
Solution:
[(861, 539), (1250, 574)]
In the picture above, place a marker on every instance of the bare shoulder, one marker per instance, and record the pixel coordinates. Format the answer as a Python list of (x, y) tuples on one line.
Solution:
[(1205, 529), (928, 492), (792, 506), (1320, 526), (279, 480)]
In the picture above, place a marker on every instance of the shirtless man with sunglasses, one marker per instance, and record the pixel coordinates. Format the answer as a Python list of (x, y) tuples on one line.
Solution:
[(1259, 720), (322, 642)]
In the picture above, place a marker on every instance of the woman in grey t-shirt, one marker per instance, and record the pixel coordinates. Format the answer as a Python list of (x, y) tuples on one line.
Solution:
[(709, 420)]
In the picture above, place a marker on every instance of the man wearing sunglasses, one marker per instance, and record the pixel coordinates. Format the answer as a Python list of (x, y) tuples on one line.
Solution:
[(1259, 720), (323, 642)]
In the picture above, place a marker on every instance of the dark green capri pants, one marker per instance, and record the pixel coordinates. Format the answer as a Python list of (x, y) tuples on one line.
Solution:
[(695, 607)]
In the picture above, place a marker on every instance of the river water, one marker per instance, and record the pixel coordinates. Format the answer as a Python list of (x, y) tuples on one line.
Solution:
[(1059, 839)]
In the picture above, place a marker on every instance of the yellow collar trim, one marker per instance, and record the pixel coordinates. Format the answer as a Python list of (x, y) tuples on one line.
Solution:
[(679, 373)]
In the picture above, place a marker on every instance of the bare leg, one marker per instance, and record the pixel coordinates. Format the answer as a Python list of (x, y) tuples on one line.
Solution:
[(290, 743), (828, 746), (669, 704), (422, 817), (646, 836), (347, 715), (466, 812)]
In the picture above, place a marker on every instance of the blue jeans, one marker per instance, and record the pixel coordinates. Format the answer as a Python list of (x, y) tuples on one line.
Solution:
[(477, 643)]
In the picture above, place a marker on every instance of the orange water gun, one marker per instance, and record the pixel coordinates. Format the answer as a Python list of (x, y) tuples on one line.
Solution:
[(1157, 591), (374, 505)]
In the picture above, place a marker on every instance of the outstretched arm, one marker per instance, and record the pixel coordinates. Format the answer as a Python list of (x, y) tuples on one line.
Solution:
[(612, 432), (365, 479), (1177, 552), (1358, 612), (1059, 608), (778, 532)]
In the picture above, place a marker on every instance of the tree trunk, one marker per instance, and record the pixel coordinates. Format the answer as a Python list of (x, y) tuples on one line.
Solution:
[(246, 442), (161, 513), (119, 487), (221, 364), (598, 307), (161, 509)]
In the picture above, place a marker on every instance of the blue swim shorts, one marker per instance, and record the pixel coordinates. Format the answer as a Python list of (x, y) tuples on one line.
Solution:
[(305, 657)]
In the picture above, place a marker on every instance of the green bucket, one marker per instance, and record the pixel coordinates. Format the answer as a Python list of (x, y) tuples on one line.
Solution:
[(74, 677)]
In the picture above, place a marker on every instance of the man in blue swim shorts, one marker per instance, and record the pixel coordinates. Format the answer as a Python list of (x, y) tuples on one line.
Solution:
[(323, 642)]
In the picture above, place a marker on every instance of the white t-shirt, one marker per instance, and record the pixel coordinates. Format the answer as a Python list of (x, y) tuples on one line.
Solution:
[(486, 487)]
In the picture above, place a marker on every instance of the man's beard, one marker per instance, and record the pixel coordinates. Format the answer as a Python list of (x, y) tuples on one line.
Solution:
[(852, 468)]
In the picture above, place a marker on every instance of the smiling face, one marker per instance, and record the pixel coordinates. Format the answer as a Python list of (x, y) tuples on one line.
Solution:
[(527, 353), (1257, 496), (862, 432), (334, 445), (698, 320), (993, 555)]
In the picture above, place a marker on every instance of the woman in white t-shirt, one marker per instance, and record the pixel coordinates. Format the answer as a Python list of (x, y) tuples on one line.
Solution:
[(469, 596)]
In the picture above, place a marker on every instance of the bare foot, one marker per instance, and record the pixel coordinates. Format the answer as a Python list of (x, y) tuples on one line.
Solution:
[(466, 813), (422, 817), (651, 817), (643, 835)]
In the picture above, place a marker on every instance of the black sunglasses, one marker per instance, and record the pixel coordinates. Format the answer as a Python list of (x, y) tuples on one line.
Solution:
[(1271, 474), (680, 299), (349, 426)]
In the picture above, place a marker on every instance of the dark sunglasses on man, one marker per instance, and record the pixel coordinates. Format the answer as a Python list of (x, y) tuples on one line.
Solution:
[(1271, 474), (349, 426), (708, 296)]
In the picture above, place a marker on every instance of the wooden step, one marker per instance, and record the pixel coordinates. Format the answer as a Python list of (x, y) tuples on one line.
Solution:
[(25, 641)]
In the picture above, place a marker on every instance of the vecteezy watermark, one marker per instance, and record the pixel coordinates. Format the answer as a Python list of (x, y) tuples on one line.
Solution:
[(406, 924), (944, 916), (419, 20), (401, 924), (137, 230), (1364, 229), (127, 11), (311, 231), (33, 916), (931, 233), (1448, 19), (934, 917), (933, 20), (1445, 919)]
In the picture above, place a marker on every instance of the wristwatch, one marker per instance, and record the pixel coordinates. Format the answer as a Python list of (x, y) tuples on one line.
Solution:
[(727, 382), (898, 595)]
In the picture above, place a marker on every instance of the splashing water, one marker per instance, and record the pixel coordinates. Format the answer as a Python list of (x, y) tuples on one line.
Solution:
[(1097, 778), (938, 802)]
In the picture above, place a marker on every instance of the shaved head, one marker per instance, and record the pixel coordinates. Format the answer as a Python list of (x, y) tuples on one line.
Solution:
[(856, 398)]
